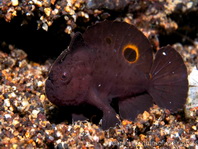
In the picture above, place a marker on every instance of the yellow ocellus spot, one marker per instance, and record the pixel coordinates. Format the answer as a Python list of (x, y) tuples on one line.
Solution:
[(130, 53)]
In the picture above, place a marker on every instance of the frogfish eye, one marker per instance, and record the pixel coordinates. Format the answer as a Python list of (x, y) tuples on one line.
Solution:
[(65, 77), (130, 53)]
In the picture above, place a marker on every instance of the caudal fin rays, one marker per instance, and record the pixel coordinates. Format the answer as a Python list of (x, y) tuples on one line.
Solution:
[(168, 83)]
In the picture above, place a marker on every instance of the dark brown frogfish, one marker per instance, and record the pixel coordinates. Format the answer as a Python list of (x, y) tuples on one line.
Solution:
[(114, 60)]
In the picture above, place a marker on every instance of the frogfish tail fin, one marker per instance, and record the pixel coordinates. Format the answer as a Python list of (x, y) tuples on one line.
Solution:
[(168, 79)]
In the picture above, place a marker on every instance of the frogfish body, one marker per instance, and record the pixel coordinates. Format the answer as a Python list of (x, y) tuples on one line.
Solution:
[(114, 60)]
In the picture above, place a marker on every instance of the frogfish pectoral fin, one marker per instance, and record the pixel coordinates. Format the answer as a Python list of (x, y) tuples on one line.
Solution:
[(129, 108), (109, 119)]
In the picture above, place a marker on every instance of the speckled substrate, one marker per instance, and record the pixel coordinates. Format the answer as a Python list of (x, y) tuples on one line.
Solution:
[(24, 107), (23, 122), (143, 13)]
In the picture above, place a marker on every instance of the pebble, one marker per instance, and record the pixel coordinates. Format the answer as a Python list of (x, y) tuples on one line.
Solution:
[(35, 113), (6, 102), (15, 2), (189, 5), (7, 116), (47, 11), (40, 83)]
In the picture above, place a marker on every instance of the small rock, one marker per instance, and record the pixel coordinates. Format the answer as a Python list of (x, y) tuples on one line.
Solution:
[(35, 113), (146, 116), (6, 102), (7, 116), (15, 2)]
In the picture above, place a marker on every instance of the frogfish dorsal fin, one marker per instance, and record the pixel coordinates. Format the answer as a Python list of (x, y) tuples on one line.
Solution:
[(77, 42)]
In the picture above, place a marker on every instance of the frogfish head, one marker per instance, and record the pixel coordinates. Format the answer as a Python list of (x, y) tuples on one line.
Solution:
[(68, 82)]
